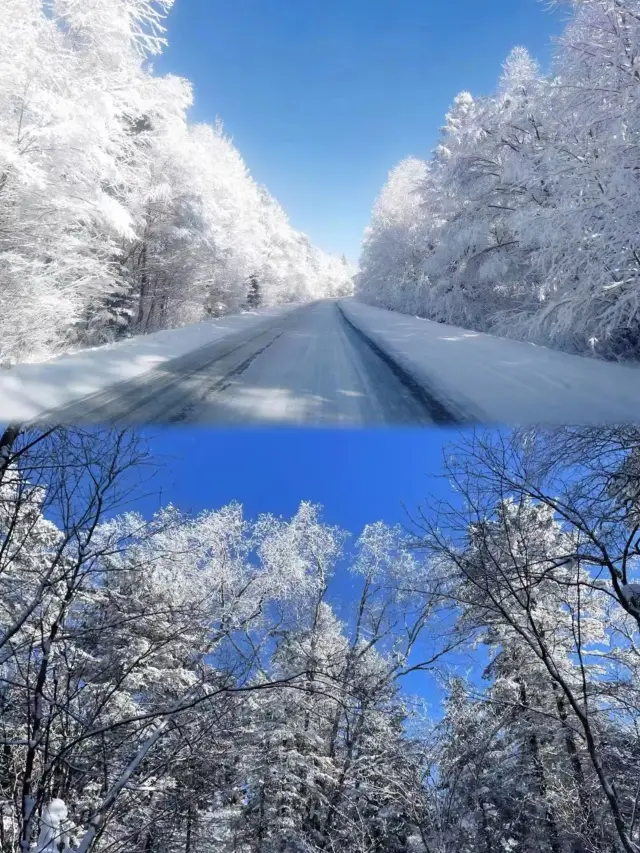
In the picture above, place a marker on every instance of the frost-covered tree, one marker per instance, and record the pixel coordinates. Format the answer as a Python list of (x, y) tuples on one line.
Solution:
[(178, 680), (393, 246), (113, 630), (117, 216), (528, 208), (187, 683), (540, 554)]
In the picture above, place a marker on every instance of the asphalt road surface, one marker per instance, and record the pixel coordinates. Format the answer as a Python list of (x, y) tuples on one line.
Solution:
[(309, 367)]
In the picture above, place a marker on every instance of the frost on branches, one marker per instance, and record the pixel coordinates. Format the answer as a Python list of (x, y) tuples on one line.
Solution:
[(220, 684), (117, 216), (524, 221)]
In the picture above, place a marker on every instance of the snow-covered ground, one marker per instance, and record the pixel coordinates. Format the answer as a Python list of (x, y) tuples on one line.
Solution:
[(307, 367), (497, 380), (273, 365), (28, 390)]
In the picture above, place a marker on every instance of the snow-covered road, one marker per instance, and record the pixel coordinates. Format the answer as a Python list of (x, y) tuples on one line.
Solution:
[(323, 363), (308, 366)]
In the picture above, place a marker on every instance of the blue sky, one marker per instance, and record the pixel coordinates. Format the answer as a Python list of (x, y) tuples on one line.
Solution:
[(359, 476), (323, 98)]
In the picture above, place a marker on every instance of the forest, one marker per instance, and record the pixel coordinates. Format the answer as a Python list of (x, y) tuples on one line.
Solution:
[(118, 215), (523, 222), (200, 683)]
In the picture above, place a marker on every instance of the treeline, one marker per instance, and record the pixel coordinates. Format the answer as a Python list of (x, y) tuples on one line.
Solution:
[(117, 216), (198, 684), (524, 221)]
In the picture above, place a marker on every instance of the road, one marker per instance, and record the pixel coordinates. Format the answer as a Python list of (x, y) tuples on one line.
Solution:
[(309, 367)]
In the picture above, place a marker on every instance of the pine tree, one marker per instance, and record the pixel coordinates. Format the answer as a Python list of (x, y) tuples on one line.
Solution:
[(253, 298)]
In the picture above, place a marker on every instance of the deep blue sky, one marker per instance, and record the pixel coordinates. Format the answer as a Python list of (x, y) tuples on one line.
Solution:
[(323, 97), (359, 476)]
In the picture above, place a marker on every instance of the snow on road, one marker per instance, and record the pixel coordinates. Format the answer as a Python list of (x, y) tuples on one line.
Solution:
[(498, 380), (29, 390), (307, 367), (322, 363)]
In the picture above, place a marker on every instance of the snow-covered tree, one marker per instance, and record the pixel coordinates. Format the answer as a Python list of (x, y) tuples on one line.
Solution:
[(117, 216), (195, 682), (393, 244), (537, 555), (528, 207)]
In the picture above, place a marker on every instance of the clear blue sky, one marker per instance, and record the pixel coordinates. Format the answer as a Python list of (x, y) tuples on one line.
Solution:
[(323, 97), (359, 476)]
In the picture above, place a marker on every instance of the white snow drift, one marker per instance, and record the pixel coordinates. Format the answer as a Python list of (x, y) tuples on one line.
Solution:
[(496, 380)]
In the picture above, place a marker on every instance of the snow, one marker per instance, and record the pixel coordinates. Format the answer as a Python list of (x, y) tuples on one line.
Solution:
[(524, 220), (29, 390), (307, 367), (52, 837), (476, 377), (497, 380)]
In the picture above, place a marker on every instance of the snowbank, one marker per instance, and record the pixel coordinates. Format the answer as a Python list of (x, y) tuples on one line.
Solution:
[(489, 379), (29, 390)]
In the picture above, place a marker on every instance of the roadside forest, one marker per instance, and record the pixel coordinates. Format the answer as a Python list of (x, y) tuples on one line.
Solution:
[(523, 222), (118, 214)]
